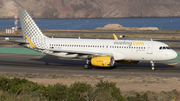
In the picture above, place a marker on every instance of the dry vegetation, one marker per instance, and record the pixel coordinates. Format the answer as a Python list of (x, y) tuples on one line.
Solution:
[(161, 34), (149, 88), (126, 84)]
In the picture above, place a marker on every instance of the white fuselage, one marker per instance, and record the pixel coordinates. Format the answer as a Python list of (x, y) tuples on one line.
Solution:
[(120, 49)]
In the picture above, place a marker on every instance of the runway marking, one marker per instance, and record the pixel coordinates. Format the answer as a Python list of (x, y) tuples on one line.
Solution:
[(27, 69), (8, 54), (173, 63), (9, 63), (19, 64)]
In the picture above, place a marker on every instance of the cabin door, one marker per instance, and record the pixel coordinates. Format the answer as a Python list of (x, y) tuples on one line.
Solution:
[(150, 48)]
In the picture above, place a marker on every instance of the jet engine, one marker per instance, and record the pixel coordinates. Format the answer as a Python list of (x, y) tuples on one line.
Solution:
[(102, 61), (128, 62)]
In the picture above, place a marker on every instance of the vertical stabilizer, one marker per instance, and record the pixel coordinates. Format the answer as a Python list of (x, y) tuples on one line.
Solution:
[(31, 30)]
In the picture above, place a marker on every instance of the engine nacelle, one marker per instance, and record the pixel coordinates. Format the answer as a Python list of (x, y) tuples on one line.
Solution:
[(102, 61), (128, 62)]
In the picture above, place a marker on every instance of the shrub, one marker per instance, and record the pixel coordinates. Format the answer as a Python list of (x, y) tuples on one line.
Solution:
[(4, 83), (5, 96), (56, 92), (108, 91), (28, 88), (138, 97), (78, 91)]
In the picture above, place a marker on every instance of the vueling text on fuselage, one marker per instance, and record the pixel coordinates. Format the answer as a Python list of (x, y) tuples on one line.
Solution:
[(128, 43)]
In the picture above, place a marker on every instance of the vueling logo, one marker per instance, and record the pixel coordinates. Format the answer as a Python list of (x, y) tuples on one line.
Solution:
[(138, 43)]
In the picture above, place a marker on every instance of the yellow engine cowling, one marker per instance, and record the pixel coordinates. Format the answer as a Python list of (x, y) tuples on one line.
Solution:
[(102, 61), (128, 62)]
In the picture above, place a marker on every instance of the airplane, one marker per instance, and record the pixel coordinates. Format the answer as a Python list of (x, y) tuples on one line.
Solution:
[(97, 52)]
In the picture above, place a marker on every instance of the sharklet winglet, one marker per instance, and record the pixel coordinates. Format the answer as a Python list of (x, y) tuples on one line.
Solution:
[(30, 42), (115, 37)]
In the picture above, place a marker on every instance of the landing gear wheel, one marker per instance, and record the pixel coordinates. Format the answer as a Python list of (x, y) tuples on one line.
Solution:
[(152, 65), (152, 68), (90, 67), (87, 66)]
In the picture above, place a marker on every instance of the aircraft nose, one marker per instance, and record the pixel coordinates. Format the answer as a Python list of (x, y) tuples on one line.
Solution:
[(173, 55)]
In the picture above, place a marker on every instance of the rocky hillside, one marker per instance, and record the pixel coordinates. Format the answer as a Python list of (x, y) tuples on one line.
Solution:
[(91, 8)]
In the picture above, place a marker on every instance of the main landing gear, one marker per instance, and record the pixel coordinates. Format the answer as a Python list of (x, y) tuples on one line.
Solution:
[(152, 65), (88, 64)]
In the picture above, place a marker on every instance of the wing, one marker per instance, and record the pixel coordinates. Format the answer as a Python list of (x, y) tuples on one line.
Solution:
[(80, 52)]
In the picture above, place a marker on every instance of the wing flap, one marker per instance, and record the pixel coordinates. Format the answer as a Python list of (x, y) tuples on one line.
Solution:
[(81, 52)]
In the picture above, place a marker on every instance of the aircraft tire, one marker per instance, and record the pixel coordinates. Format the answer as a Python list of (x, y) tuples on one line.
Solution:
[(86, 66), (152, 68)]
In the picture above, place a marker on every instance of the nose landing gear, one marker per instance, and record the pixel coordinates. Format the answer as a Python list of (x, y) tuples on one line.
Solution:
[(152, 65)]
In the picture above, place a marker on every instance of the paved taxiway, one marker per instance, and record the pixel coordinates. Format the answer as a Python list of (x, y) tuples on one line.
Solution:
[(49, 65)]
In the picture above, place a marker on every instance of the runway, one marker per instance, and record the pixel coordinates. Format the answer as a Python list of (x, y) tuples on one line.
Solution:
[(49, 65)]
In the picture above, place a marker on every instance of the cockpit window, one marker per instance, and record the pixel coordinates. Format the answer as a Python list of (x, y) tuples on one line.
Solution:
[(164, 47)]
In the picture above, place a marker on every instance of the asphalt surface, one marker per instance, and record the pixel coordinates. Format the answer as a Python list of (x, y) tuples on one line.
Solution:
[(49, 65)]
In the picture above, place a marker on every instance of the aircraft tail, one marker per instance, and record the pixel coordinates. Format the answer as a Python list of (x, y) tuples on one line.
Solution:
[(31, 31)]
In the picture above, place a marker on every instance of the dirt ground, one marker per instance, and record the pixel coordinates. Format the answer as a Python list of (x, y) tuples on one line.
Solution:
[(138, 84)]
